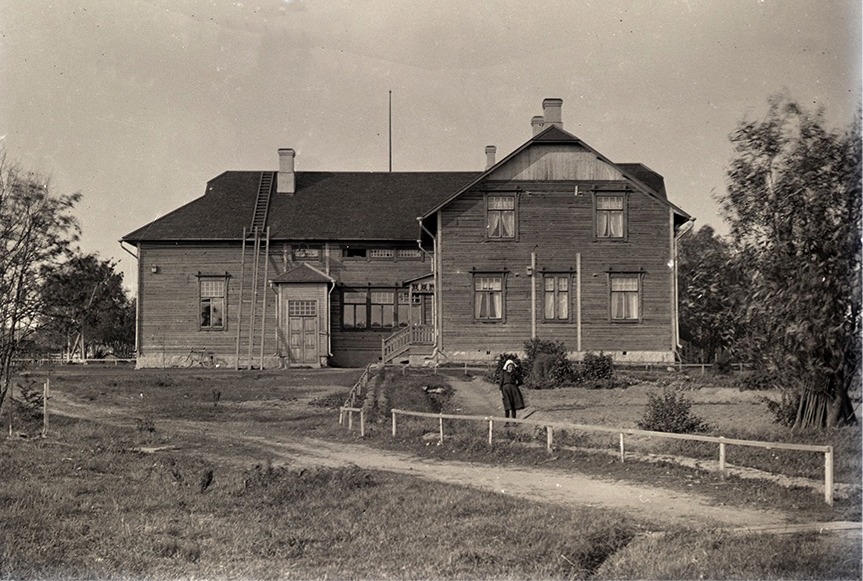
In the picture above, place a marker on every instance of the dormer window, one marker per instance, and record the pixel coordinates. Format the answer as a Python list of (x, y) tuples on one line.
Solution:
[(500, 217)]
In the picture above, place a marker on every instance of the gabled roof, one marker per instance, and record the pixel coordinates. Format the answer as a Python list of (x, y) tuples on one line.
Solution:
[(326, 206), (303, 273), (641, 176)]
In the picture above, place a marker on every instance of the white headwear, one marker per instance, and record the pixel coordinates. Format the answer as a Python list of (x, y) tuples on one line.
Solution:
[(508, 363)]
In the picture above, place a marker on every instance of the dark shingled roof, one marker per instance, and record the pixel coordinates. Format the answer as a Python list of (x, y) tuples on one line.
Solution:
[(302, 273), (645, 175), (326, 206)]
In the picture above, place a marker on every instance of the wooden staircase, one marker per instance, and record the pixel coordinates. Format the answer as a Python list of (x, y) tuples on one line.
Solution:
[(404, 339)]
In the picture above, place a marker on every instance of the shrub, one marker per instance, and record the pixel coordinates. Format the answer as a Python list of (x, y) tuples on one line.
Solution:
[(597, 366), (493, 373), (758, 380), (546, 363), (670, 412), (784, 411)]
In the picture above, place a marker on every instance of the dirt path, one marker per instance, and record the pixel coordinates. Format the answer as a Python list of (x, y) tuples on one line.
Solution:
[(657, 505)]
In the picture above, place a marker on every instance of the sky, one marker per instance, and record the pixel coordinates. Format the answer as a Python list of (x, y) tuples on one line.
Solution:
[(137, 103)]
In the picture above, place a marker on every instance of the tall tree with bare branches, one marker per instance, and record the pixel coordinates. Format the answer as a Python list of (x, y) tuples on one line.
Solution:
[(37, 230)]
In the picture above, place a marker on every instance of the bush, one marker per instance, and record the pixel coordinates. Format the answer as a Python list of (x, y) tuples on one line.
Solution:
[(784, 411), (758, 380), (546, 364), (597, 367), (492, 375), (670, 412)]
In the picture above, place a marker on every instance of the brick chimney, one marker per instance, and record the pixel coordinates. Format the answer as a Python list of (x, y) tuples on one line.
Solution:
[(285, 182), (490, 150), (537, 124), (551, 110)]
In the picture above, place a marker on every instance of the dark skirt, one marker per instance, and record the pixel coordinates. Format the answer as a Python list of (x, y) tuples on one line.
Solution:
[(512, 398)]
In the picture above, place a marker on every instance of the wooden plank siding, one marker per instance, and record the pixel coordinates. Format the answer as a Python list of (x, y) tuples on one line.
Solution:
[(169, 299), (556, 224)]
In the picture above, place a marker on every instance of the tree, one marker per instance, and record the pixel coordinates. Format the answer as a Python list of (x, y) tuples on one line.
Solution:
[(710, 298), (37, 229), (85, 307), (794, 206)]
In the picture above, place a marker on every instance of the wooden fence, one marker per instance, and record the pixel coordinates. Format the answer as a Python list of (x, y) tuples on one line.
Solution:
[(551, 426)]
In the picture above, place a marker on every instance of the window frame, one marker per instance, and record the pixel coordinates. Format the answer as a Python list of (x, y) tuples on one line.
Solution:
[(475, 295), (367, 307), (638, 277), (202, 279), (487, 200), (556, 277), (624, 197)]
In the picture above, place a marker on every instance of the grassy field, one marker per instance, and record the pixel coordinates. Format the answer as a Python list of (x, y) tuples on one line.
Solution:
[(89, 501)]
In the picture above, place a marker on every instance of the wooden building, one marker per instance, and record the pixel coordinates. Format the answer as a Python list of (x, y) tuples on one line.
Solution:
[(288, 268)]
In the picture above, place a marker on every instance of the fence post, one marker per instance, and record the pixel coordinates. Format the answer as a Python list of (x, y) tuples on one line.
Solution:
[(45, 407), (622, 452), (362, 423), (394, 423), (549, 438), (341, 416), (490, 430), (440, 423), (350, 420), (828, 476), (722, 457)]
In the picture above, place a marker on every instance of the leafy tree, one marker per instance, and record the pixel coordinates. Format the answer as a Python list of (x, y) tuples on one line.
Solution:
[(710, 298), (794, 207), (37, 229), (86, 307)]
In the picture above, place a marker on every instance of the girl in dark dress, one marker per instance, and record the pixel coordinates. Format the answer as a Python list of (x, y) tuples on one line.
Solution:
[(509, 382)]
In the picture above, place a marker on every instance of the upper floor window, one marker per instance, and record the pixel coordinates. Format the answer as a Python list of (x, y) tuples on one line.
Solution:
[(500, 217), (211, 299), (488, 297), (556, 297), (610, 216), (307, 253), (625, 297)]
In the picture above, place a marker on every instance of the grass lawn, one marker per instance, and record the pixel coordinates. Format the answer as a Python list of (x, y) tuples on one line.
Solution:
[(88, 501)]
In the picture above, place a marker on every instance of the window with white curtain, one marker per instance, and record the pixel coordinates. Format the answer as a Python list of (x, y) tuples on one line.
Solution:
[(556, 297), (625, 297), (500, 217), (610, 216), (488, 297)]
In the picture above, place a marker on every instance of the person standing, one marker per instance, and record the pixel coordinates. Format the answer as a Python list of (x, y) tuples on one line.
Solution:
[(510, 380)]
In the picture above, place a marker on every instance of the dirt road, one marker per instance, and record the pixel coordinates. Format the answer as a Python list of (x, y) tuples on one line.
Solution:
[(656, 505)]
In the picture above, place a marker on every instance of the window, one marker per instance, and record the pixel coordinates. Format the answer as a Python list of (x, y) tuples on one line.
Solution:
[(354, 314), (375, 308), (625, 297), (488, 297), (409, 253), (305, 253), (354, 252), (211, 291), (500, 217), (382, 312), (610, 217), (403, 308), (381, 253), (302, 308), (556, 297)]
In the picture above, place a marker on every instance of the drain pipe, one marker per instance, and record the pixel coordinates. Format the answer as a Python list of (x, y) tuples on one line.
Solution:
[(435, 276)]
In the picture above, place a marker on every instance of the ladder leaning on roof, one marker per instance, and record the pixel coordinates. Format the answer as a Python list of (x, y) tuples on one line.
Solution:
[(258, 240)]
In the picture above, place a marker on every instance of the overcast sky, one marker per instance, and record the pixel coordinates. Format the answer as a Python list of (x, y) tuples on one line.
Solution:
[(137, 103)]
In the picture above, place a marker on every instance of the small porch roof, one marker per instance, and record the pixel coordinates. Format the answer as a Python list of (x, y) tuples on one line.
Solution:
[(303, 273)]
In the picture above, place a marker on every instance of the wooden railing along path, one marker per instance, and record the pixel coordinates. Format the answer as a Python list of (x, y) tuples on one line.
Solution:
[(550, 427), (401, 341)]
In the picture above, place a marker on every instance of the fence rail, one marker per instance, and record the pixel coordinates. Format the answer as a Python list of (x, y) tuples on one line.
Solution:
[(551, 426)]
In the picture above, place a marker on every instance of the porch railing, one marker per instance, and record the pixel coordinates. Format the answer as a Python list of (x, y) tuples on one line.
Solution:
[(401, 341)]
